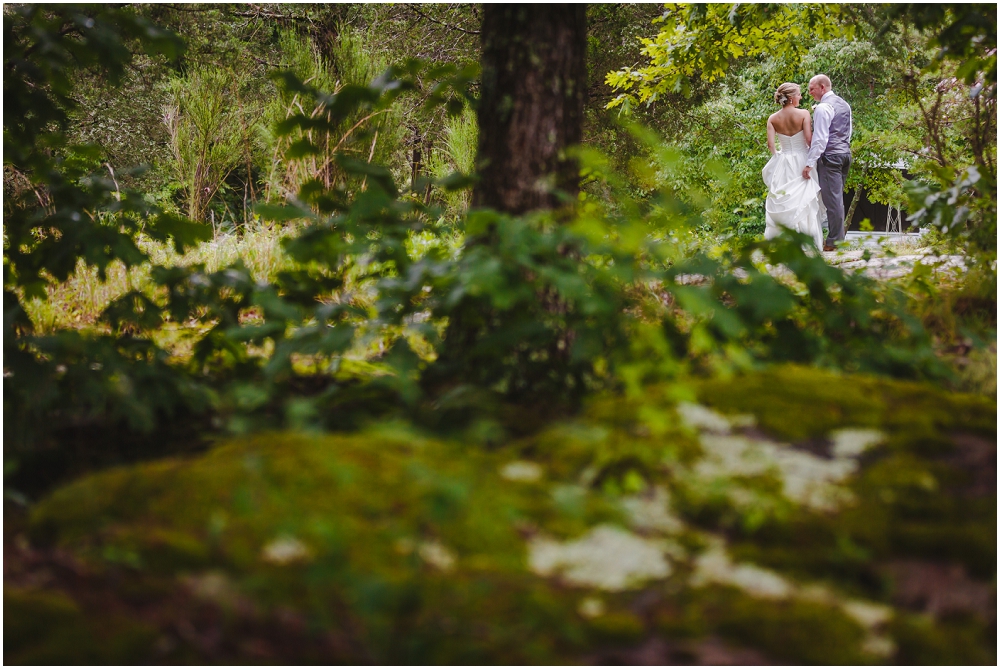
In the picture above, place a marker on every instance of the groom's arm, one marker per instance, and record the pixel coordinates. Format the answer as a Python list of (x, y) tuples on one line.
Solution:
[(821, 135)]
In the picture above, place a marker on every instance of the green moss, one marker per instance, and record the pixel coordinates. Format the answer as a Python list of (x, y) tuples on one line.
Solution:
[(796, 403), (623, 627), (161, 549), (615, 443), (799, 632), (921, 641), (361, 510), (416, 550), (785, 630), (913, 497), (904, 508), (50, 628), (30, 614)]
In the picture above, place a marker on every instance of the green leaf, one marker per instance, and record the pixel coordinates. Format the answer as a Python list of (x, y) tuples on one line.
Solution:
[(301, 149), (184, 232), (376, 174)]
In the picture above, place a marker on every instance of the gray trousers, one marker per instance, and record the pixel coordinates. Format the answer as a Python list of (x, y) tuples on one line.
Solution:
[(832, 169)]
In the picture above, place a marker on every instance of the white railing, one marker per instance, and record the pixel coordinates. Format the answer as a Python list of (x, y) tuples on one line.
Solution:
[(894, 221)]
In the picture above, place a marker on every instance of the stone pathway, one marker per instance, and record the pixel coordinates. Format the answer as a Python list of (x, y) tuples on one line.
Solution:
[(893, 266), (876, 266)]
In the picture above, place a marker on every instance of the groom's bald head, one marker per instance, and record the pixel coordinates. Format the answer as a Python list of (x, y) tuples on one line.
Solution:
[(819, 86)]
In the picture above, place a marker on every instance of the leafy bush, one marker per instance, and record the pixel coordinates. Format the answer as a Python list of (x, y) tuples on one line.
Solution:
[(778, 302), (57, 211), (960, 205)]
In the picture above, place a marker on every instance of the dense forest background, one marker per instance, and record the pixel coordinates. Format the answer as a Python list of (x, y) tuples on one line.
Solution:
[(204, 124), (448, 333)]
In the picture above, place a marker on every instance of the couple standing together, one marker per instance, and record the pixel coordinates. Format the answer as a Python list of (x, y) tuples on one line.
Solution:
[(805, 179)]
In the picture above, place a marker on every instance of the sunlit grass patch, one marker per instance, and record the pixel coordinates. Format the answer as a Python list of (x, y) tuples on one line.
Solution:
[(78, 302)]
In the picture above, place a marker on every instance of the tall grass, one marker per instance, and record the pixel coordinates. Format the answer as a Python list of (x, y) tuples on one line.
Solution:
[(209, 133), (215, 129), (358, 59), (373, 137), (461, 135), (77, 302)]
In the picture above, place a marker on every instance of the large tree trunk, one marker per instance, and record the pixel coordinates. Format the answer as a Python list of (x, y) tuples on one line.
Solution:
[(534, 75), (531, 109)]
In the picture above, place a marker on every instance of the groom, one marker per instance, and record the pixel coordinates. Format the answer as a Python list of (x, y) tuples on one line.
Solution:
[(830, 153)]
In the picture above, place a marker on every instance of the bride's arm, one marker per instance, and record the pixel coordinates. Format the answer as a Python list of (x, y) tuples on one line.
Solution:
[(807, 128), (770, 137)]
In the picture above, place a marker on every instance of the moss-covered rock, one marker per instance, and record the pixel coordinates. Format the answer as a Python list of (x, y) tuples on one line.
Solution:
[(50, 627), (787, 517), (797, 403)]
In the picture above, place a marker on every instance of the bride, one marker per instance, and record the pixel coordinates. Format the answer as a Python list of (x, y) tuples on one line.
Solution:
[(792, 202)]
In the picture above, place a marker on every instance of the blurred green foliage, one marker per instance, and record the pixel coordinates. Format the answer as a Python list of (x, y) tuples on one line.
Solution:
[(822, 316), (953, 200), (59, 210), (390, 547)]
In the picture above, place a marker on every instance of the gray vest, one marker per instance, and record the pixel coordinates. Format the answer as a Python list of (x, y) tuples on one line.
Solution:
[(840, 126)]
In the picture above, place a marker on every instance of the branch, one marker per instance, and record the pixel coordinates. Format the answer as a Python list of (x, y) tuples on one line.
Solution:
[(66, 30), (355, 126), (262, 14), (442, 23), (189, 9), (270, 64)]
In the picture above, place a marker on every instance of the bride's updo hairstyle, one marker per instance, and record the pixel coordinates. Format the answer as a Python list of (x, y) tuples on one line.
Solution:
[(785, 92)]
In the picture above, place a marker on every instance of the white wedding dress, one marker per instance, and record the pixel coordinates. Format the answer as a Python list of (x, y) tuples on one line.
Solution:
[(792, 201)]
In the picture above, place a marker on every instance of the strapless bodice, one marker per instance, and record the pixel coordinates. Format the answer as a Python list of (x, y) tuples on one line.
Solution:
[(796, 142)]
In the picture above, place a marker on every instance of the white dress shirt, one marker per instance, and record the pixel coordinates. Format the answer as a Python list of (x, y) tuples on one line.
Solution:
[(822, 117)]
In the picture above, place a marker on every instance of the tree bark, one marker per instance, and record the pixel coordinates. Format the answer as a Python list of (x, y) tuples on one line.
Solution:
[(854, 205), (534, 74)]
